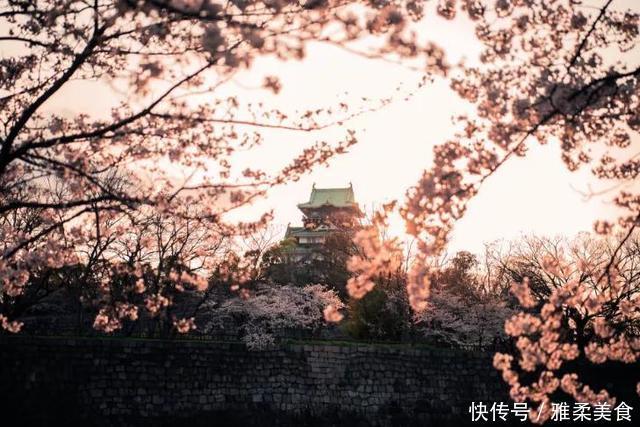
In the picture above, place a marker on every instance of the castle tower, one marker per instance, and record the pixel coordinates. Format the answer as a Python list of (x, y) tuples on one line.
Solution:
[(329, 210)]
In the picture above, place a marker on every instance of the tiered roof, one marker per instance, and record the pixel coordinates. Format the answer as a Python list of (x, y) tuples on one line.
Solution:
[(303, 232), (322, 201), (330, 197)]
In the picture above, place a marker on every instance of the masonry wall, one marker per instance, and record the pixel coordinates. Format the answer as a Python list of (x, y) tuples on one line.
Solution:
[(126, 382)]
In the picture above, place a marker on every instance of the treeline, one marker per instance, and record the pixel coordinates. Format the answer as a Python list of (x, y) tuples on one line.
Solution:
[(254, 289)]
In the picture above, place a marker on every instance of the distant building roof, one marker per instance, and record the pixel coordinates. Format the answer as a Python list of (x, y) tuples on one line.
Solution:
[(303, 232), (292, 231), (336, 197)]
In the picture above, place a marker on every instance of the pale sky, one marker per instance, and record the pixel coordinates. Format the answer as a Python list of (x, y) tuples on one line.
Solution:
[(535, 194)]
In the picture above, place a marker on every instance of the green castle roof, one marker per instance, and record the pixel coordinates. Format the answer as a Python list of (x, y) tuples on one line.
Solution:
[(337, 197), (291, 231)]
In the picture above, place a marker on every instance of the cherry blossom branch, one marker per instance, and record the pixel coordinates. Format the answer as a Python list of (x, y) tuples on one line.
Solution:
[(5, 152), (582, 44)]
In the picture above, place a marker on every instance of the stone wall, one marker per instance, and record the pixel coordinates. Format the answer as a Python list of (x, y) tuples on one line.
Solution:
[(132, 382)]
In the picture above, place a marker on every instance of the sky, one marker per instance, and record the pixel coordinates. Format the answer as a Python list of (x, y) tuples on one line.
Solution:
[(535, 194)]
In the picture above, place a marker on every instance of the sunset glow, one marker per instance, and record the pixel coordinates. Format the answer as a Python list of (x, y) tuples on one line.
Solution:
[(319, 212)]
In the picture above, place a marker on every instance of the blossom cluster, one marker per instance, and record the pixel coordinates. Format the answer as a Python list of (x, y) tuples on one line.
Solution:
[(274, 309), (588, 313), (455, 320), (376, 257)]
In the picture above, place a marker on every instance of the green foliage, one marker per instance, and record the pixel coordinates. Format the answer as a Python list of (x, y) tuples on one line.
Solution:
[(327, 264), (382, 314), (459, 276)]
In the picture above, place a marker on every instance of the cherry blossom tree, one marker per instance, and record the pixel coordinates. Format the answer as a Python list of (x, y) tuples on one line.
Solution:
[(134, 267), (266, 316), (579, 312), (465, 309), (452, 320), (155, 261), (560, 72)]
